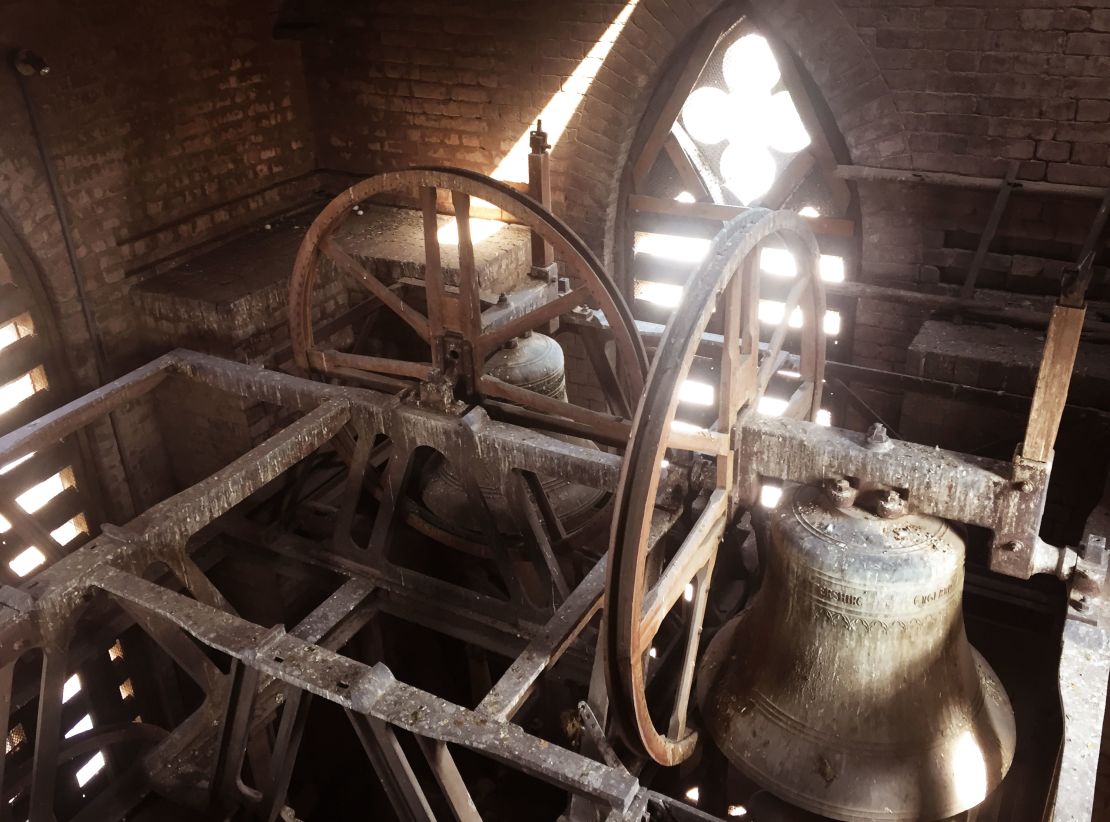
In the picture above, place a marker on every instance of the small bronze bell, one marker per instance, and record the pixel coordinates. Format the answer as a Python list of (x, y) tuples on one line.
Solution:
[(848, 686), (535, 362)]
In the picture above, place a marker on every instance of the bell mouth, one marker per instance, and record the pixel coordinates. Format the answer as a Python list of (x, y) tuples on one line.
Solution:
[(854, 780)]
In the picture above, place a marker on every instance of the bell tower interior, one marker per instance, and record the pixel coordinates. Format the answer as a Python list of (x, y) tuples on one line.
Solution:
[(670, 410)]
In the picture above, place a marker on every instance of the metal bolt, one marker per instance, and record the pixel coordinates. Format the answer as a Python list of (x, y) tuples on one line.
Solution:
[(1025, 486), (840, 492), (1079, 601), (891, 505), (1013, 545), (877, 436)]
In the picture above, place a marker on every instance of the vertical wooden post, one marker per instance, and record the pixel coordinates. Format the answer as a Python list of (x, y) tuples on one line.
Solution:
[(1060, 347), (539, 189)]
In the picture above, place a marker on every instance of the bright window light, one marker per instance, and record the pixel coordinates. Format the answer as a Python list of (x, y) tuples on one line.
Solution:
[(832, 323), (831, 268), (823, 417), (737, 810), (68, 531), (90, 769), (781, 263), (126, 689), (27, 561), (696, 392), (777, 261), (11, 466), (672, 247), (480, 229), (769, 496), (84, 724), (685, 197), (667, 295), (559, 110), (15, 330), (770, 312), (693, 794), (706, 115), (652, 652), (16, 392), (71, 688), (37, 496), (771, 406), (785, 131), (809, 211), (688, 593), (115, 652), (748, 170), (5, 526), (749, 65)]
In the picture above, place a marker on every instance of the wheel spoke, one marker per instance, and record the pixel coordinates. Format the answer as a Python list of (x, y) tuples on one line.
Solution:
[(604, 424), (469, 296), (696, 551), (327, 360), (774, 347), (696, 617), (351, 267), (492, 340), (433, 268)]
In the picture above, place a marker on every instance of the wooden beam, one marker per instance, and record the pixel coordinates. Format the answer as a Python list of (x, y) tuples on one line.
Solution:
[(691, 180), (717, 212), (871, 174), (1060, 346)]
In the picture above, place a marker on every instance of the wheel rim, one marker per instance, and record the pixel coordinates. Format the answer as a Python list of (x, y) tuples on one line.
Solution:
[(635, 609)]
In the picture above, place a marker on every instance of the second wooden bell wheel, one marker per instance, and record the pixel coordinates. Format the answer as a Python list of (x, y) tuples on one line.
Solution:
[(638, 600)]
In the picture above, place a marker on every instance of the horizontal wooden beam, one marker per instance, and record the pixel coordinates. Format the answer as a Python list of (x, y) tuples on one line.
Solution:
[(717, 212), (872, 174)]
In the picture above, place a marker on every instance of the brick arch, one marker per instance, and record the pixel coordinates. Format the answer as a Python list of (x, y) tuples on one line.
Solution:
[(828, 46)]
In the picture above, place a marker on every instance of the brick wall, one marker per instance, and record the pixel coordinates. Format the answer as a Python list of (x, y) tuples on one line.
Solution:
[(968, 89), (175, 126), (168, 126)]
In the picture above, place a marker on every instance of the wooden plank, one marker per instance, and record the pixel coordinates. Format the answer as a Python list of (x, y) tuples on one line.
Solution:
[(604, 424), (872, 174), (327, 360), (717, 212), (1051, 394), (991, 228), (20, 357)]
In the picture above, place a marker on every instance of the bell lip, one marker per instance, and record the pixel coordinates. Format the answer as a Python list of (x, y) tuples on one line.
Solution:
[(1000, 716)]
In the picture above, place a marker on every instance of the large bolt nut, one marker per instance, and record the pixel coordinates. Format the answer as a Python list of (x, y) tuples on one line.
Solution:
[(877, 439), (840, 492), (891, 505)]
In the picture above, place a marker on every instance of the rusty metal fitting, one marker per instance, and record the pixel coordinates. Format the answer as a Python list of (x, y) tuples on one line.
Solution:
[(840, 492), (1080, 602), (1025, 486), (890, 505), (1013, 545), (877, 437)]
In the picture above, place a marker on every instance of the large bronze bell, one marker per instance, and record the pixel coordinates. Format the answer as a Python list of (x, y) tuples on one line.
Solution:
[(848, 686)]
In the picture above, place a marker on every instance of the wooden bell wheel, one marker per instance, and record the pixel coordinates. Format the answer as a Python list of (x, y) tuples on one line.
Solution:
[(638, 600), (460, 327)]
